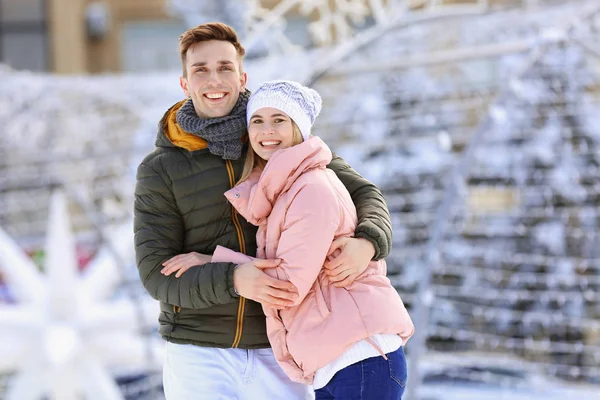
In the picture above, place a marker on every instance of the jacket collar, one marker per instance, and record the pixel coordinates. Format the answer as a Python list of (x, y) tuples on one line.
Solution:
[(170, 133), (254, 198)]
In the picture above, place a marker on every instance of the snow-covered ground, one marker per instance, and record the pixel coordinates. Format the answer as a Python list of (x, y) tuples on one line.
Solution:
[(483, 376)]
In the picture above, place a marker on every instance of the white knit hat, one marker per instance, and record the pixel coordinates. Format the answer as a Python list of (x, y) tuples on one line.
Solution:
[(301, 103)]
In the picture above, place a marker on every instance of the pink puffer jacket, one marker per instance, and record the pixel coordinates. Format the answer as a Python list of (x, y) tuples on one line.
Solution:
[(300, 207)]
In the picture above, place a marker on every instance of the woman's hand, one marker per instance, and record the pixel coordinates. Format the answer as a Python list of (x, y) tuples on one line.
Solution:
[(183, 262), (347, 259)]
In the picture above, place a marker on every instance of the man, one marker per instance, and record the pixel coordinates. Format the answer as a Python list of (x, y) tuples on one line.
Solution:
[(217, 347)]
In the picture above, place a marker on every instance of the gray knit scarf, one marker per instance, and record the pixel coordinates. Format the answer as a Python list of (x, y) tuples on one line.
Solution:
[(223, 134)]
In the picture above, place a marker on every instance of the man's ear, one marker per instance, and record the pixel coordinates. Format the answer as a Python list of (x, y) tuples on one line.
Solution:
[(184, 85), (243, 80)]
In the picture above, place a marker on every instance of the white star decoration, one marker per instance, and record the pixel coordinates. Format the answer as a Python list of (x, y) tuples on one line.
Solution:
[(64, 333)]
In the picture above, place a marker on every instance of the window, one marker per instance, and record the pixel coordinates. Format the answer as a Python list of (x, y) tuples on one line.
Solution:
[(24, 34), (151, 46)]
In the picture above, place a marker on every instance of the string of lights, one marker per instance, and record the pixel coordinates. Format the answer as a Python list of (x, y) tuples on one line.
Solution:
[(496, 342), (493, 313), (514, 217)]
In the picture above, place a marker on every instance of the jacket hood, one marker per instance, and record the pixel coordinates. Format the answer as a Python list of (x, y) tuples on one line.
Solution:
[(254, 198), (170, 134)]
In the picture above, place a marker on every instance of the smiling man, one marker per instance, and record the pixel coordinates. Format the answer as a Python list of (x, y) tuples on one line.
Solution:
[(211, 318), (215, 77)]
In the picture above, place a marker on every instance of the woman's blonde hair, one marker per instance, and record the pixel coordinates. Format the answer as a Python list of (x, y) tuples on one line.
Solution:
[(254, 161)]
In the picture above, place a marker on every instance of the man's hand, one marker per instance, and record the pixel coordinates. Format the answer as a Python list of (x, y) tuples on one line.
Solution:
[(347, 259), (183, 262), (252, 283)]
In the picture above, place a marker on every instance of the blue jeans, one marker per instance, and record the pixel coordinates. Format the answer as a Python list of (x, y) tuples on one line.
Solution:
[(374, 378)]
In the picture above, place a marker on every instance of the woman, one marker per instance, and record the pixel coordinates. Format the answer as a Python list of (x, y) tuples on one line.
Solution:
[(346, 342)]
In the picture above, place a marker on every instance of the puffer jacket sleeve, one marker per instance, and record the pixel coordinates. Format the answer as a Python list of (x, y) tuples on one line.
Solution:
[(309, 227), (158, 235), (374, 222)]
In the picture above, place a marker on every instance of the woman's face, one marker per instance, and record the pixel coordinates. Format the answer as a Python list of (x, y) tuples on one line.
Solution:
[(270, 130)]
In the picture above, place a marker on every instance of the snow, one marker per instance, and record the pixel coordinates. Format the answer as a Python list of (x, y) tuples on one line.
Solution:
[(526, 268)]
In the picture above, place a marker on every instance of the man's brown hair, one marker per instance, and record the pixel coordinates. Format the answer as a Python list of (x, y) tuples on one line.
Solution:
[(206, 32)]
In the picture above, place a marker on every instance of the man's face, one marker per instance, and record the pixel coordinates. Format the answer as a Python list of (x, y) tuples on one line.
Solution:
[(214, 80)]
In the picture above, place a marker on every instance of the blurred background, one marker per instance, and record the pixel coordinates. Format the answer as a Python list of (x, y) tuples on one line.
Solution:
[(479, 120)]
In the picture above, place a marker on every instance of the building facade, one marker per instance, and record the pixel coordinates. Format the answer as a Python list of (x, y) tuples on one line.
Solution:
[(86, 36)]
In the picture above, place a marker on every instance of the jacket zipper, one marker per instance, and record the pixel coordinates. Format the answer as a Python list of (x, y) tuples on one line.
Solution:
[(176, 311), (240, 234)]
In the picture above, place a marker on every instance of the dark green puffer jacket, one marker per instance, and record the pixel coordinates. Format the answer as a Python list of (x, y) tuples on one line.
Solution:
[(180, 207)]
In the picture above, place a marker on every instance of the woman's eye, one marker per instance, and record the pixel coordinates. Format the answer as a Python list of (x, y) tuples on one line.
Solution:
[(278, 120)]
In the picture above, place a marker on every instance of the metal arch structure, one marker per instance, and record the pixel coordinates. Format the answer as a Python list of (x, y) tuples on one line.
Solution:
[(458, 178), (338, 26), (434, 11), (337, 22), (535, 50), (402, 21), (341, 17)]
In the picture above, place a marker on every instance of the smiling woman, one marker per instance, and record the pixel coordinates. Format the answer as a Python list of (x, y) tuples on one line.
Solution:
[(271, 130), (301, 209)]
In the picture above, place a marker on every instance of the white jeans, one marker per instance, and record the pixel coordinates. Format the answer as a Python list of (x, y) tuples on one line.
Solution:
[(193, 372)]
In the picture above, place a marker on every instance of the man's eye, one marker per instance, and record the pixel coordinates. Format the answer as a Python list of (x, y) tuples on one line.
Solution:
[(226, 68)]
